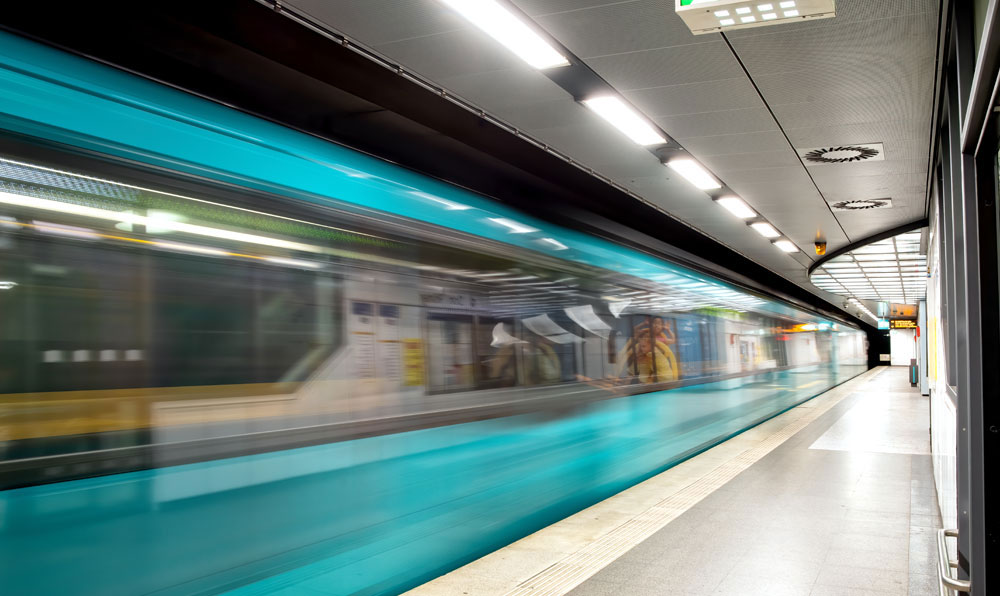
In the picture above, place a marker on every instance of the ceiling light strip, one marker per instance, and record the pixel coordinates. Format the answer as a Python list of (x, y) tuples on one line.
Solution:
[(512, 32)]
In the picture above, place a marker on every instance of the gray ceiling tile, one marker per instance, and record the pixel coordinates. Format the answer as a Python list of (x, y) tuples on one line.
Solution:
[(693, 98), (848, 11), (717, 123), (844, 46), (750, 142), (668, 66), (535, 8), (843, 111), (833, 172), (769, 179), (723, 165), (619, 28), (914, 131)]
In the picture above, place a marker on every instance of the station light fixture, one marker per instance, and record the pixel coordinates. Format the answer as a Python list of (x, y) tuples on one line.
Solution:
[(694, 173), (737, 207), (625, 119), (786, 245), (504, 26), (765, 229), (712, 16)]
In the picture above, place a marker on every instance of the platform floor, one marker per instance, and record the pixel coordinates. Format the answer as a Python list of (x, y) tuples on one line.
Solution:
[(834, 497)]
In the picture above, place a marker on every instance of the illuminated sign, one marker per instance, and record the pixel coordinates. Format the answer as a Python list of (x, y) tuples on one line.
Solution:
[(712, 16), (883, 324), (903, 311), (903, 324)]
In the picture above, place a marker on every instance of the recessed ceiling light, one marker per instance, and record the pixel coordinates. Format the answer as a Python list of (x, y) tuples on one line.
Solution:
[(786, 245), (769, 16), (694, 173), (791, 13), (765, 7), (737, 207), (722, 13), (765, 229), (749, 19), (743, 10), (726, 22), (503, 26), (787, 4), (625, 119)]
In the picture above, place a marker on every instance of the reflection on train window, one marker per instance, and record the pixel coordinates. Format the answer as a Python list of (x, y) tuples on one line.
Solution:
[(496, 350), (450, 354)]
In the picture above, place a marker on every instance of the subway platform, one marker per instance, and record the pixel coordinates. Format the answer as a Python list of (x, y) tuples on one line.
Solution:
[(833, 497)]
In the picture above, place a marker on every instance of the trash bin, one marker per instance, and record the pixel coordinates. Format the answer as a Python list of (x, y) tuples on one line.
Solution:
[(914, 379)]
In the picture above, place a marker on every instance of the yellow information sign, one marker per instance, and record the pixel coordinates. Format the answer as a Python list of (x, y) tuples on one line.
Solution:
[(902, 324), (413, 362)]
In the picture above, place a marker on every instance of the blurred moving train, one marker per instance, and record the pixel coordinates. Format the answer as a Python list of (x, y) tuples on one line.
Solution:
[(196, 305)]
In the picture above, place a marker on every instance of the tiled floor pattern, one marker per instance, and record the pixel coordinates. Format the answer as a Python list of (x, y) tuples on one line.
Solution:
[(784, 526)]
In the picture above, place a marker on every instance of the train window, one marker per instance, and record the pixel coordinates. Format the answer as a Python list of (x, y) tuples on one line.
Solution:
[(496, 352), (450, 355)]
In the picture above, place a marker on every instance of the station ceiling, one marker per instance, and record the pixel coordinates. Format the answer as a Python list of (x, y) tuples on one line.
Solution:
[(749, 105)]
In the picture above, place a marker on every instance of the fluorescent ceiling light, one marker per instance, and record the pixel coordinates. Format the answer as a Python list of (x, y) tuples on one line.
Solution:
[(769, 16), (749, 19), (791, 13), (722, 13), (500, 24), (743, 10), (694, 173), (513, 226), (786, 245), (787, 4), (727, 22), (737, 207), (765, 7), (765, 229), (625, 119)]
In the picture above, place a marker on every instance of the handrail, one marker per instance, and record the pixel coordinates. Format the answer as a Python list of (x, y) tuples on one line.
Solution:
[(945, 564)]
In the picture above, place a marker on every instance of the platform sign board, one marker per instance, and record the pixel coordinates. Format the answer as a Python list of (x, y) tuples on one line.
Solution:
[(902, 324), (883, 324), (903, 311), (712, 16)]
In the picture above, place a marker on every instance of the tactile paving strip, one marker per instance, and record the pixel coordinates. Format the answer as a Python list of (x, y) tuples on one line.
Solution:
[(577, 567)]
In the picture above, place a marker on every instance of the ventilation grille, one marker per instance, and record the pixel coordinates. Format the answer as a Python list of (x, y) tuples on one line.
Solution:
[(842, 154), (861, 205)]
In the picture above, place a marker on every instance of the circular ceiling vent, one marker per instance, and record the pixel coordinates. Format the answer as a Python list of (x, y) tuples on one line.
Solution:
[(842, 154), (862, 204)]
